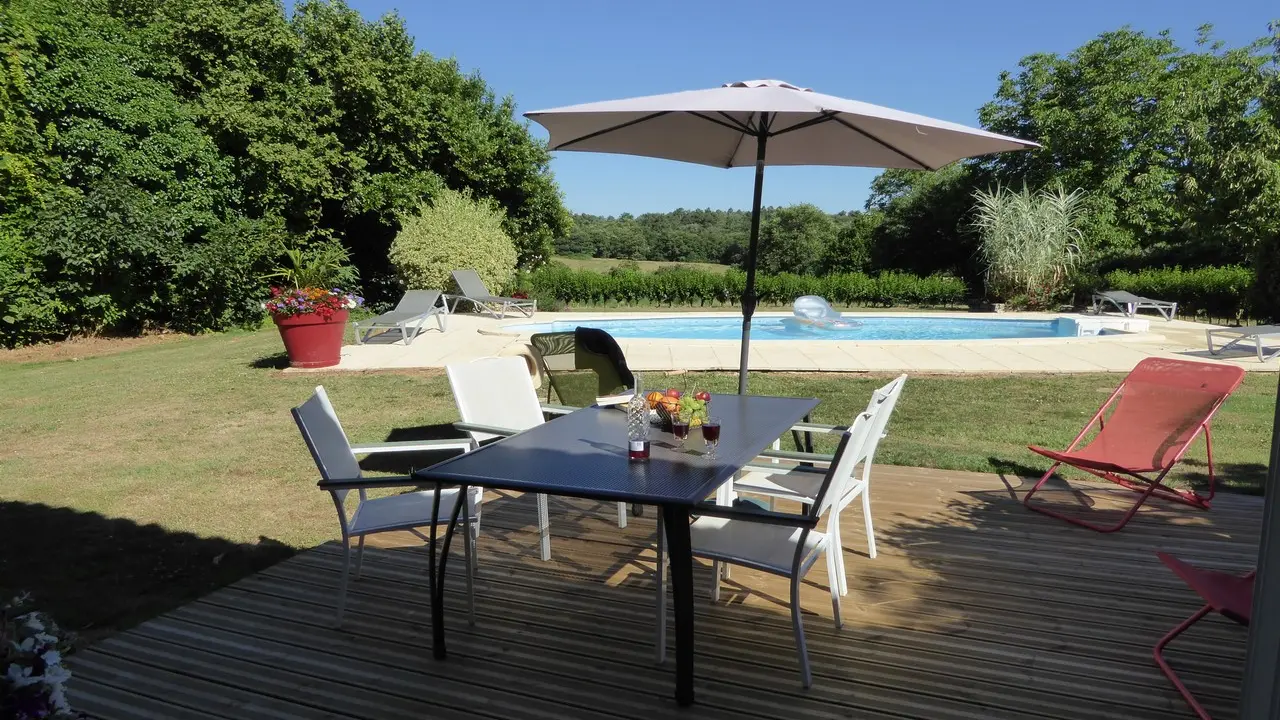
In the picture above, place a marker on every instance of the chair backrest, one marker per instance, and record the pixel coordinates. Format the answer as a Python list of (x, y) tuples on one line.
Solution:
[(579, 372), (495, 391), (1161, 407), (880, 407), (840, 474), (418, 301), (470, 284), (326, 440)]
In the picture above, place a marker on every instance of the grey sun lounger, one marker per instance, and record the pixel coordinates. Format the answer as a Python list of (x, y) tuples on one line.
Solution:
[(473, 289), (1130, 304), (411, 313), (1238, 335)]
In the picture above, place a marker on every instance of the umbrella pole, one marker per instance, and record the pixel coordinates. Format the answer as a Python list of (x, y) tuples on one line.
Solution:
[(1260, 694), (749, 293)]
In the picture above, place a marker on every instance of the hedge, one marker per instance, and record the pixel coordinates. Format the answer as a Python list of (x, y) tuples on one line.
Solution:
[(1214, 292), (678, 285)]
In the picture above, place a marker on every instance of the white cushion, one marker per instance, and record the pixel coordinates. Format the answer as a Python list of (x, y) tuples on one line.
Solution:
[(755, 544)]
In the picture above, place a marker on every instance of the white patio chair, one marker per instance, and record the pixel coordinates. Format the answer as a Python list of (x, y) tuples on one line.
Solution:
[(782, 544), (409, 511), (801, 483), (497, 392)]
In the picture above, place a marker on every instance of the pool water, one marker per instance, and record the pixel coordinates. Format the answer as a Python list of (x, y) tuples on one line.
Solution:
[(787, 328)]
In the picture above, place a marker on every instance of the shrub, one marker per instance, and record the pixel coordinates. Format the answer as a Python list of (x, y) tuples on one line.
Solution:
[(687, 286), (219, 283), (455, 231), (1029, 242), (1221, 292)]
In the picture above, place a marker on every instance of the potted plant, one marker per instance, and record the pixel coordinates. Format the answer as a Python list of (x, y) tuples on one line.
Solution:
[(309, 308), (33, 679)]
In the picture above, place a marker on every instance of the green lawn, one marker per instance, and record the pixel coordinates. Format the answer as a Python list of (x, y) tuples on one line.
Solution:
[(135, 479), (607, 264)]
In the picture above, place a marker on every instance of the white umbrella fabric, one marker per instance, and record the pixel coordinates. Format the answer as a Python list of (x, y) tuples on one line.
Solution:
[(765, 122)]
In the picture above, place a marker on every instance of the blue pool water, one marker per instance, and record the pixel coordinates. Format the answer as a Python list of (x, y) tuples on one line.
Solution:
[(780, 328)]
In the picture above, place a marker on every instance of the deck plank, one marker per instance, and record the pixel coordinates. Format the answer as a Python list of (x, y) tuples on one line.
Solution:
[(974, 608)]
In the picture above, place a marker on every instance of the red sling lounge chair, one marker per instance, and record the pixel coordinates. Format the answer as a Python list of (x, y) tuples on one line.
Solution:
[(1231, 595), (1155, 414)]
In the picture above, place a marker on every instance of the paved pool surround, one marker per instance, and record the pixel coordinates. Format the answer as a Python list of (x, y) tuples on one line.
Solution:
[(1124, 343)]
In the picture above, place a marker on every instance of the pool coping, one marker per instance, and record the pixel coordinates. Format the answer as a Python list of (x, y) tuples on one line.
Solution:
[(1121, 333), (470, 336)]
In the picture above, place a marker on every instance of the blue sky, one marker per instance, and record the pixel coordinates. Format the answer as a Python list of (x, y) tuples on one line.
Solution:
[(936, 57)]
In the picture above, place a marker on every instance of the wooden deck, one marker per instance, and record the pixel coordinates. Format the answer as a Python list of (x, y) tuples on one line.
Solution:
[(975, 608)]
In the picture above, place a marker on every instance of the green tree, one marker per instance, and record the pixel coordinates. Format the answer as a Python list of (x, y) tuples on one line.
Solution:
[(239, 124), (924, 216), (849, 250), (1174, 147), (794, 238)]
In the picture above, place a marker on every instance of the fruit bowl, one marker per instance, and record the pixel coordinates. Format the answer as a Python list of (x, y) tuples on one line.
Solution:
[(695, 404)]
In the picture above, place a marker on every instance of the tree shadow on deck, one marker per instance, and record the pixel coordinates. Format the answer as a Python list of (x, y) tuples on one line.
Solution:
[(95, 575), (1056, 608)]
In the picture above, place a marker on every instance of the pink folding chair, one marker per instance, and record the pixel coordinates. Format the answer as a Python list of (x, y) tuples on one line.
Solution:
[(1231, 595), (1157, 412)]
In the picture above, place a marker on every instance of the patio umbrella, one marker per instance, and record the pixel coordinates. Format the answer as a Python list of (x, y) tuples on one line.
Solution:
[(765, 122)]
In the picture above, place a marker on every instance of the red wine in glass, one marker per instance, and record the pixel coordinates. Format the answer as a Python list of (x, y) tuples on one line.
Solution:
[(680, 428), (711, 433)]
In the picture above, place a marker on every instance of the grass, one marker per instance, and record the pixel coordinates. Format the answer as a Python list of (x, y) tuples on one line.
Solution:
[(607, 264), (134, 477)]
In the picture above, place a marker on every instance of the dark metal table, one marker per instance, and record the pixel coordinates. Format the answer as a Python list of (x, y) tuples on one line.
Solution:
[(583, 454)]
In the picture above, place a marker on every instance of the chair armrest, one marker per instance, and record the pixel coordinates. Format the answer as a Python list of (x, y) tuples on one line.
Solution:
[(367, 483), (488, 429), (775, 469), (411, 446), (819, 429), (797, 456), (761, 516), (558, 409)]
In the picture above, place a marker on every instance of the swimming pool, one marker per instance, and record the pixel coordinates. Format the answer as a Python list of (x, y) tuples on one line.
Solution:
[(868, 328)]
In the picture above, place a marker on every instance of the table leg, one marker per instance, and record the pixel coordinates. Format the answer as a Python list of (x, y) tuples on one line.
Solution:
[(435, 571), (675, 520)]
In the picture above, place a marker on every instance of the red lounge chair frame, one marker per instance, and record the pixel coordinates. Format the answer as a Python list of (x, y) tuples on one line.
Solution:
[(1197, 389), (1231, 595)]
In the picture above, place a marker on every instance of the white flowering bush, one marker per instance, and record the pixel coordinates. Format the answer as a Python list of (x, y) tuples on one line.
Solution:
[(33, 683)]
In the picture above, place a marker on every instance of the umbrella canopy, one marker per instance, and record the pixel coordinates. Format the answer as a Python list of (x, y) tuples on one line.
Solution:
[(765, 122)]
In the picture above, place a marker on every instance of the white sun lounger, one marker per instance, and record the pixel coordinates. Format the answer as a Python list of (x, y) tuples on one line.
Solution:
[(474, 290), (1237, 335), (1130, 304), (413, 310)]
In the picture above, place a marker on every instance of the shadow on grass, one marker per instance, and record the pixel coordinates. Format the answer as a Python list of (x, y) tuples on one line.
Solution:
[(1248, 478), (275, 361), (95, 574)]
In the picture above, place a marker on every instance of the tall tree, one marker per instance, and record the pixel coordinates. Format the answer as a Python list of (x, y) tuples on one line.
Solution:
[(794, 239)]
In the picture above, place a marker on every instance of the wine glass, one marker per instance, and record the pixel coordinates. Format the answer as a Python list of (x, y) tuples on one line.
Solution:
[(680, 426), (711, 434)]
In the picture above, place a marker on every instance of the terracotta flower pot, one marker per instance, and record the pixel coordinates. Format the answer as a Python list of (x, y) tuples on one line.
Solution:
[(310, 340)]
